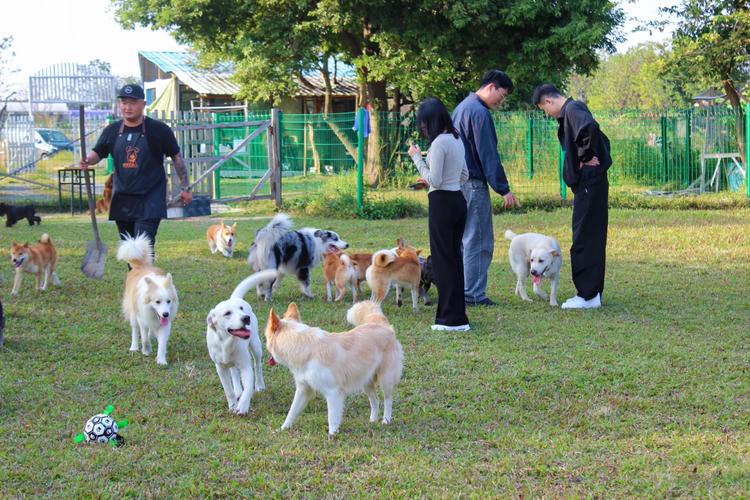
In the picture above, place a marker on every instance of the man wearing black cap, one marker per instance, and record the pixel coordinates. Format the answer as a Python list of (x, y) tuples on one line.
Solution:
[(138, 145)]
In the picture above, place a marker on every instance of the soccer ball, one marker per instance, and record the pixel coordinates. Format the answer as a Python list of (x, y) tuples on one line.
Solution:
[(101, 428)]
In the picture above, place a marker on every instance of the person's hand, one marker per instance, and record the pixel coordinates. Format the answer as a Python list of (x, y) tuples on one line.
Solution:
[(187, 197), (414, 149), (593, 162), (511, 201), (84, 164)]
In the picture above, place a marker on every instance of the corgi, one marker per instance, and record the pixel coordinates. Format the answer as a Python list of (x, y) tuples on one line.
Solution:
[(40, 259), (222, 238), (338, 364), (399, 266), (150, 300), (102, 204)]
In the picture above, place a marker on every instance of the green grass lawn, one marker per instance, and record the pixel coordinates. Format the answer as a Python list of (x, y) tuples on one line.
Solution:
[(648, 396)]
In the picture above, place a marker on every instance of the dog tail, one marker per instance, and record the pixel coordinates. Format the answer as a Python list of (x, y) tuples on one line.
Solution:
[(252, 281), (383, 258), (45, 239), (509, 235), (266, 237), (136, 251), (366, 311)]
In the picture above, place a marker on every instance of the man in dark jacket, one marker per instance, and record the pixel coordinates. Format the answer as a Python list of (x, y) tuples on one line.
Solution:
[(472, 118), (587, 158)]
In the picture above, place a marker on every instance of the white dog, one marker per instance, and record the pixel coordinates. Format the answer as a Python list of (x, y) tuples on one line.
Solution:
[(538, 255), (150, 301), (232, 328)]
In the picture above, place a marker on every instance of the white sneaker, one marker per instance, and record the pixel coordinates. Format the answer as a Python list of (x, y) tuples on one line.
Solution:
[(446, 328), (581, 303)]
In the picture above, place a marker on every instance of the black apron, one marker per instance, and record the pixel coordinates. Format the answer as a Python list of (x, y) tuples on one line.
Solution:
[(140, 184)]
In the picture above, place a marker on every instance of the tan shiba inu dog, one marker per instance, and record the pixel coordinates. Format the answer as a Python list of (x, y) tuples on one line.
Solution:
[(399, 266), (222, 238), (150, 301), (40, 259), (341, 270), (338, 364)]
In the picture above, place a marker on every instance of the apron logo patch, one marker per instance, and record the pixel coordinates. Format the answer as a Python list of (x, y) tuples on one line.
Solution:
[(131, 154)]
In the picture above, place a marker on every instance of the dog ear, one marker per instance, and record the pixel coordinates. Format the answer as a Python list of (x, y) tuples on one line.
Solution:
[(554, 253), (319, 233), (292, 312), (222, 224), (234, 226), (274, 322), (211, 320), (168, 283), (419, 250), (400, 243)]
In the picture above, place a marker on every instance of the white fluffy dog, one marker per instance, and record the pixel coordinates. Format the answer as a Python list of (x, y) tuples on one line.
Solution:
[(150, 301), (538, 255), (232, 329)]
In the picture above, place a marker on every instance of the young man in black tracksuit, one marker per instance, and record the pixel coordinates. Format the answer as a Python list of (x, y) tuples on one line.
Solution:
[(587, 158)]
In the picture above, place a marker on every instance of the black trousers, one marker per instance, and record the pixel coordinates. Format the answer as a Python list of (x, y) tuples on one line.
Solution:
[(446, 219), (149, 227), (588, 251)]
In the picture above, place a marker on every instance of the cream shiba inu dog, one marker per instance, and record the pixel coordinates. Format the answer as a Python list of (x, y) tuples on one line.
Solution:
[(338, 364), (234, 345), (39, 259), (222, 238), (150, 301)]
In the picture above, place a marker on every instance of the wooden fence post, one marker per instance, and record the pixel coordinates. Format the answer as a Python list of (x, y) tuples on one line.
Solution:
[(274, 155)]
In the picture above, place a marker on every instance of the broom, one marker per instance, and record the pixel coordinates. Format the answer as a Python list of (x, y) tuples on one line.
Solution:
[(96, 251)]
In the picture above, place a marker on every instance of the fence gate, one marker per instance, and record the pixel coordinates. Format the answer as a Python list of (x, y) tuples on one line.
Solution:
[(228, 160)]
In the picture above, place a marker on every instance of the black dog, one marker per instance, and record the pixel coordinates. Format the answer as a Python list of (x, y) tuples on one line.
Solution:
[(426, 279), (14, 214)]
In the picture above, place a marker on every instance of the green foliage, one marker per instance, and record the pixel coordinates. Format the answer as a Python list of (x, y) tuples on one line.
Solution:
[(420, 48), (633, 80)]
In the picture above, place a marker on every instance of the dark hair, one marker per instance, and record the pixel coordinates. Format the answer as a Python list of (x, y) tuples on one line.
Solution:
[(433, 119), (499, 78), (544, 90)]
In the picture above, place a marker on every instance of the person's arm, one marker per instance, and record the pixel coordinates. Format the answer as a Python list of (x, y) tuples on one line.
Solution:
[(464, 173), (91, 159), (432, 172), (485, 143), (101, 150), (179, 165), (586, 133)]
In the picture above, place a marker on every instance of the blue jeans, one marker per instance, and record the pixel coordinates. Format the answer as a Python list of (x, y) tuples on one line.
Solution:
[(478, 240)]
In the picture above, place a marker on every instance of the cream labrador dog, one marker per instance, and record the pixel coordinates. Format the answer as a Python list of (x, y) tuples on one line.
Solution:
[(538, 255), (232, 336)]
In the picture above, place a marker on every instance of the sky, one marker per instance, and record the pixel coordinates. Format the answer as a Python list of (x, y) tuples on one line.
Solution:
[(47, 32)]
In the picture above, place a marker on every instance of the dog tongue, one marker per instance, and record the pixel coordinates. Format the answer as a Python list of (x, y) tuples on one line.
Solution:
[(164, 321), (241, 333), (537, 279), (271, 361)]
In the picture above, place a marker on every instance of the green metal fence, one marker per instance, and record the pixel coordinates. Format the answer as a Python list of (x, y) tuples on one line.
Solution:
[(653, 152)]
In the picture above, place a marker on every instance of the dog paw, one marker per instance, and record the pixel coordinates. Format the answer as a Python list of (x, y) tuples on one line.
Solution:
[(385, 421), (260, 387), (554, 304), (161, 362), (134, 349), (527, 299)]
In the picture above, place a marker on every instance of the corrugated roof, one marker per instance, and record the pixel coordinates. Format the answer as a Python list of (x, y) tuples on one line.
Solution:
[(315, 86), (183, 65)]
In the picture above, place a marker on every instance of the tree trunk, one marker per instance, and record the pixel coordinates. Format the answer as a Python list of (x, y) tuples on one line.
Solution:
[(374, 164), (739, 121), (314, 147), (328, 106)]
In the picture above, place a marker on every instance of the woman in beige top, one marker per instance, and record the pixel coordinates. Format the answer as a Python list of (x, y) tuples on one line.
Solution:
[(445, 171)]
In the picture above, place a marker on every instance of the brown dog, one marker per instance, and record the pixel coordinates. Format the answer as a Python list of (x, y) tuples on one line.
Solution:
[(40, 259), (102, 204), (222, 238), (399, 266), (341, 269)]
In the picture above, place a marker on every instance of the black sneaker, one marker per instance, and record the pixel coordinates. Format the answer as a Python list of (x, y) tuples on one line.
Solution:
[(484, 302)]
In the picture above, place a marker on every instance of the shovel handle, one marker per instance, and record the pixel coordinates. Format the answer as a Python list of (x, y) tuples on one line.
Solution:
[(92, 204)]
